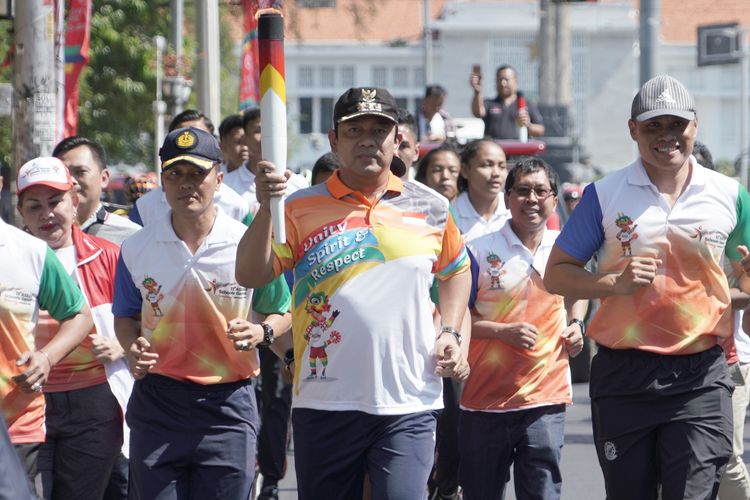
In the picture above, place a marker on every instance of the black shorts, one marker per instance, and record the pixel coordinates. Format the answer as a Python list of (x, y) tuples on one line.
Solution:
[(661, 422)]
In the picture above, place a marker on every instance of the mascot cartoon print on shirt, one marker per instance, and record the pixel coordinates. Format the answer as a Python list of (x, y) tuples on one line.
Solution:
[(319, 308)]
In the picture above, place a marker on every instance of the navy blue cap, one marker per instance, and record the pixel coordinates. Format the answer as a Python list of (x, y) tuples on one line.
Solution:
[(192, 145)]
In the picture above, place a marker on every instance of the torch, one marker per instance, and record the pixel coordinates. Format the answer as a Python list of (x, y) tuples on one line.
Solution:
[(273, 104), (523, 132)]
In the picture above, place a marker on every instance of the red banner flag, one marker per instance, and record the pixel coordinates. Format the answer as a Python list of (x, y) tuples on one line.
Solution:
[(77, 33), (249, 71), (249, 87)]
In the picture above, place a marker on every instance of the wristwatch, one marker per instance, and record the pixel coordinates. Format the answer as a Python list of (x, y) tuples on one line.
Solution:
[(452, 331), (268, 337), (579, 323)]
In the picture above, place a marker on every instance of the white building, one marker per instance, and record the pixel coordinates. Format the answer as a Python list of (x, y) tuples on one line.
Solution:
[(328, 59)]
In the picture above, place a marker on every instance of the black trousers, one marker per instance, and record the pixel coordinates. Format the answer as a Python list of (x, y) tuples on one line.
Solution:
[(275, 402), (661, 422)]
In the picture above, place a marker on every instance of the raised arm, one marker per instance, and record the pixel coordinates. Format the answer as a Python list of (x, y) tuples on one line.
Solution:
[(254, 267)]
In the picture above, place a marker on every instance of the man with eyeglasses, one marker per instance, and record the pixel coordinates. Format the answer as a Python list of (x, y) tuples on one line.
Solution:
[(518, 387), (660, 390)]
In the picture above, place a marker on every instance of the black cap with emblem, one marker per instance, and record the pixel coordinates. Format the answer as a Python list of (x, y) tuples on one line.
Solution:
[(192, 145), (361, 101)]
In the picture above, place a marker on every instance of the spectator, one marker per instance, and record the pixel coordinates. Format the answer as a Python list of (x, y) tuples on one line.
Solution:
[(440, 170), (502, 116), (433, 124)]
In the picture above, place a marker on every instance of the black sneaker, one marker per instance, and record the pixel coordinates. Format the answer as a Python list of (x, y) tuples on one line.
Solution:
[(270, 492)]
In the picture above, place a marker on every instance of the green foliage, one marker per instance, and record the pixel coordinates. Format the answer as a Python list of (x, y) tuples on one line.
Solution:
[(118, 86)]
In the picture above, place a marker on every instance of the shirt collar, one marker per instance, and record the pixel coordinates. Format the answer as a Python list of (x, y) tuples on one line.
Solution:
[(638, 176), (338, 189), (219, 232)]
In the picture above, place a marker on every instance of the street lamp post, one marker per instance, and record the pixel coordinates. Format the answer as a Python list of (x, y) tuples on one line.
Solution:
[(159, 106)]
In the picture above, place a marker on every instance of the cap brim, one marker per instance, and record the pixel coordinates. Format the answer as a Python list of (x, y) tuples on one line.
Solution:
[(195, 160), (365, 113), (58, 186), (686, 115), (398, 167)]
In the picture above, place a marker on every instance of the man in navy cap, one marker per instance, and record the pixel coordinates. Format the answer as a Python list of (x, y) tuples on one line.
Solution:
[(190, 332)]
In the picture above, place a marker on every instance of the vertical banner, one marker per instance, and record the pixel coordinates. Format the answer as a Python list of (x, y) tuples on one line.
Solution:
[(249, 87), (77, 32)]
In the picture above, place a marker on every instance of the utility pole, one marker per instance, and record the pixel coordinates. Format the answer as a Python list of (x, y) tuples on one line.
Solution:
[(34, 82), (427, 39), (159, 106), (744, 111), (649, 38), (563, 56), (208, 80), (546, 52)]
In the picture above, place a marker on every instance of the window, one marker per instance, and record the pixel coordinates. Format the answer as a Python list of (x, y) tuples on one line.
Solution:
[(379, 76), (326, 77), (401, 77), (305, 76), (326, 114), (419, 77), (305, 115), (347, 76)]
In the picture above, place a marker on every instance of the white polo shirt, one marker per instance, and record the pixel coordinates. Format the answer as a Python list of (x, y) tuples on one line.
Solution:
[(623, 214), (471, 224), (153, 205), (242, 181), (30, 278), (510, 290), (186, 301)]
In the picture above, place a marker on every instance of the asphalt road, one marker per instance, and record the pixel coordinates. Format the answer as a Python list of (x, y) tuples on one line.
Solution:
[(582, 479)]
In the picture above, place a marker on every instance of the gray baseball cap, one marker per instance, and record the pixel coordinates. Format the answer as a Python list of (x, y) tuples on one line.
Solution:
[(662, 95)]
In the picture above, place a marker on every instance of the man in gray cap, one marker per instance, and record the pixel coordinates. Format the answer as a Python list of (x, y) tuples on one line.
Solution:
[(660, 391), (364, 247)]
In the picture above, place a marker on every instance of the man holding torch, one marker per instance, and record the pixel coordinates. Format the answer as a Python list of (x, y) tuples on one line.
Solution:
[(363, 248)]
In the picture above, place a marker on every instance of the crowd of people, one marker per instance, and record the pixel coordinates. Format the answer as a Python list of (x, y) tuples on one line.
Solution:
[(413, 331)]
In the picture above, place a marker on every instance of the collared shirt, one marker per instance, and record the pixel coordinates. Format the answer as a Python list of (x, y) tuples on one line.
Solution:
[(471, 224), (510, 290), (153, 205), (242, 181), (109, 226), (500, 120), (361, 303), (623, 214), (186, 301), (32, 278)]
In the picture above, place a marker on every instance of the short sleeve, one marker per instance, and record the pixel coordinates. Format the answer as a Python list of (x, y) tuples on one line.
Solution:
[(58, 293), (135, 215), (534, 115), (453, 258), (740, 235), (127, 302), (273, 298), (283, 256), (583, 234)]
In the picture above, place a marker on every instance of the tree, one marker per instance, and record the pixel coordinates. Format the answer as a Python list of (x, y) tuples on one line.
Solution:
[(118, 85)]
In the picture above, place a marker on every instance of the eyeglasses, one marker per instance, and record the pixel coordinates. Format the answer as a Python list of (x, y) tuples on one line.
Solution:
[(525, 192)]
